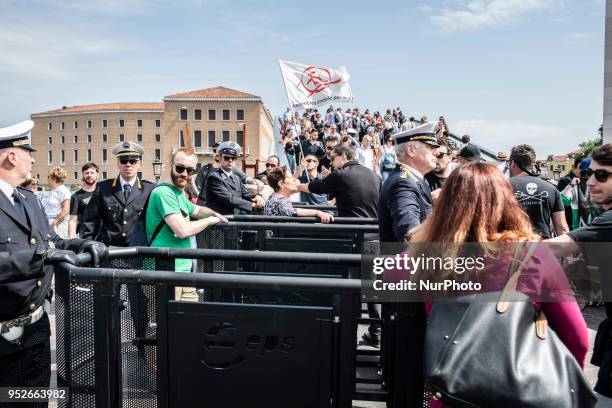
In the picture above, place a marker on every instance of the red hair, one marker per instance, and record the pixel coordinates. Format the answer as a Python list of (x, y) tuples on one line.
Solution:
[(476, 204)]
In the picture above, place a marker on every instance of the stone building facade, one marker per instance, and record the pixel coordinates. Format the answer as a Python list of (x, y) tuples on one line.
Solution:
[(71, 136)]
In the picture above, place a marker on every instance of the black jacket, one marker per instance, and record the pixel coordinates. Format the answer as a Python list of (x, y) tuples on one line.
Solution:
[(227, 195), (355, 187), (404, 203), (108, 217), (24, 280)]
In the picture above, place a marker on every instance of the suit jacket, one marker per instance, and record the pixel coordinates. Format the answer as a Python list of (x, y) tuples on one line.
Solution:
[(109, 217), (25, 281), (227, 195), (404, 203)]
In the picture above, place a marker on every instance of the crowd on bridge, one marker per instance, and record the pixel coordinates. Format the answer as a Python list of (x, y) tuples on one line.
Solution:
[(421, 184)]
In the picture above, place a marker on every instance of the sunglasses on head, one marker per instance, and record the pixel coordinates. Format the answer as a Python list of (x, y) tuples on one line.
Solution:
[(228, 158), (180, 169), (126, 161), (601, 175)]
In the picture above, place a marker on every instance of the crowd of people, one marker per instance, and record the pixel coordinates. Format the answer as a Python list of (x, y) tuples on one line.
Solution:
[(407, 173)]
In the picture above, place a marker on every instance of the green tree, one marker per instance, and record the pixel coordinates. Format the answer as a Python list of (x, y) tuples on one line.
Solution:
[(588, 146)]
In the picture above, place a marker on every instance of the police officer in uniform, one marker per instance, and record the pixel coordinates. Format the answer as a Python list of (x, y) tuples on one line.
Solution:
[(225, 191), (28, 248), (405, 199), (116, 203), (112, 212)]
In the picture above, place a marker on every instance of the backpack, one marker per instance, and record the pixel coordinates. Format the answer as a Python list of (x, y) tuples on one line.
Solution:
[(139, 234), (338, 120)]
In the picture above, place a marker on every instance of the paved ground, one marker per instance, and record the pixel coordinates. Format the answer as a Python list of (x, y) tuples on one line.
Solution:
[(593, 317)]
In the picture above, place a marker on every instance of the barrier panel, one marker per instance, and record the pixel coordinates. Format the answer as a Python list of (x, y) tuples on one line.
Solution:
[(111, 324), (105, 364), (305, 220), (286, 237)]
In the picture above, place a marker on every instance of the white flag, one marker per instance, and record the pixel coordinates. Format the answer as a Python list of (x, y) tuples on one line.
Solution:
[(309, 86)]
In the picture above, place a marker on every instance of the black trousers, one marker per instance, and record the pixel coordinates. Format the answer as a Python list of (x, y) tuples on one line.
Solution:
[(30, 364)]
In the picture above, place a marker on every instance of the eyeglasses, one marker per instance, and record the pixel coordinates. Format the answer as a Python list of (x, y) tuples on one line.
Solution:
[(601, 175), (228, 158), (126, 161), (311, 160), (180, 169), (270, 165)]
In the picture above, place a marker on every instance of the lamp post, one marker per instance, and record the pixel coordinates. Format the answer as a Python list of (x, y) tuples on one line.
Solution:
[(157, 168), (242, 144)]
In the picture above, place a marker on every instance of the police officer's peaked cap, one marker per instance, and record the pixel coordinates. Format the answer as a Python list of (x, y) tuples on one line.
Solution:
[(17, 136), (424, 133), (127, 149), (231, 148)]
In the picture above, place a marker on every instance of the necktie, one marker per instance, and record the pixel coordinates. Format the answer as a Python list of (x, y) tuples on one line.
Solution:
[(127, 188), (19, 206)]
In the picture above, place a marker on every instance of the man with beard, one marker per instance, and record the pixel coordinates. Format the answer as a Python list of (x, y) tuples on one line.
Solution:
[(437, 176), (272, 163), (169, 213), (79, 200), (599, 182)]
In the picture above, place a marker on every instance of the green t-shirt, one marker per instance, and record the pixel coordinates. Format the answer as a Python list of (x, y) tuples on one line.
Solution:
[(165, 200)]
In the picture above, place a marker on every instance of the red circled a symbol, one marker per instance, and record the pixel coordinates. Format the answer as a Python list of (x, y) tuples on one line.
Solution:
[(315, 79)]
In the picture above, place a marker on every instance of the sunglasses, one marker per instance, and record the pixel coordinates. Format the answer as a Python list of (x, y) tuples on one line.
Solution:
[(441, 155), (180, 169), (228, 158), (126, 161), (270, 165), (601, 175), (311, 160), (329, 147)]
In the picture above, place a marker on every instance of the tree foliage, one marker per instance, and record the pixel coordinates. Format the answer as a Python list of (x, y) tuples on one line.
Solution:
[(588, 146)]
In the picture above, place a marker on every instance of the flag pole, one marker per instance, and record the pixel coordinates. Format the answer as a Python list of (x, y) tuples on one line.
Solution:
[(292, 115)]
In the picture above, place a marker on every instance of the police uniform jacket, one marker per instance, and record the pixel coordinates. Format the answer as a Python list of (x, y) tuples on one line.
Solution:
[(404, 203), (227, 194), (109, 217), (25, 281)]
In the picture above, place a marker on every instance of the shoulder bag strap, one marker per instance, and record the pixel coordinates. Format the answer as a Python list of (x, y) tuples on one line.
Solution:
[(516, 267)]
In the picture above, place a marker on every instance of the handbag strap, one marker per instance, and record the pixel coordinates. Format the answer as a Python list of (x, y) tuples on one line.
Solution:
[(516, 267), (541, 323)]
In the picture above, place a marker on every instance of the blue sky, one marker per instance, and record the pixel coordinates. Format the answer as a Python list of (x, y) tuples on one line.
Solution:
[(504, 71)]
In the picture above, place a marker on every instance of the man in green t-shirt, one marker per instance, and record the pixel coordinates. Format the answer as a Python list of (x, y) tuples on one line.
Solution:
[(169, 205)]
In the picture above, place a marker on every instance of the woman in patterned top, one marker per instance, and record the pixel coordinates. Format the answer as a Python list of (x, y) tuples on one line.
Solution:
[(279, 203)]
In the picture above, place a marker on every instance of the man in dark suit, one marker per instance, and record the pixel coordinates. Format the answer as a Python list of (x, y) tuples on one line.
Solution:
[(116, 203), (405, 199), (28, 247), (111, 214), (225, 192)]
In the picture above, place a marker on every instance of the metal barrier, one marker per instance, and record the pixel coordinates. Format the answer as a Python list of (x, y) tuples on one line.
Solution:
[(288, 237), (111, 354), (308, 220)]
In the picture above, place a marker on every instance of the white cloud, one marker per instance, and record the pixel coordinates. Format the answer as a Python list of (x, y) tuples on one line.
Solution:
[(502, 135), (40, 50), (575, 37), (479, 14), (424, 8)]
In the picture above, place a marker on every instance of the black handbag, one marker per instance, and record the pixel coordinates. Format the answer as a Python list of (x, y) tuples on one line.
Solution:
[(495, 350)]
